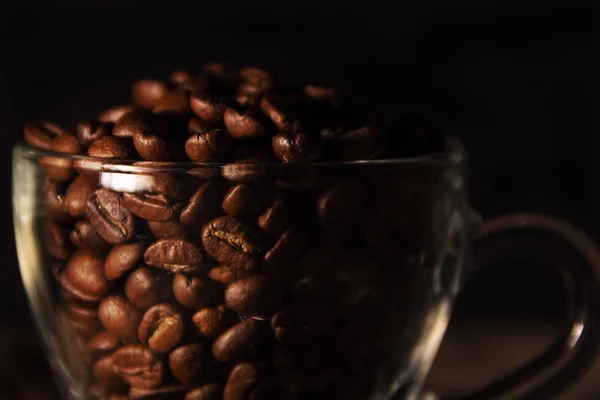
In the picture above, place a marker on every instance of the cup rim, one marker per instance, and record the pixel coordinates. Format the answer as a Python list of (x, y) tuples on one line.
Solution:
[(454, 155)]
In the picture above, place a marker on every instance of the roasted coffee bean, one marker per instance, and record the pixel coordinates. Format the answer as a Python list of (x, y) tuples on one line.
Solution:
[(253, 296), (175, 255), (92, 130), (284, 255), (84, 278), (197, 126), (165, 230), (176, 187), (212, 322), (83, 236), (56, 241), (146, 93), (167, 392), (208, 108), (241, 382), (41, 134), (204, 205), (139, 121), (227, 275), (162, 327), (250, 169), (77, 194), (273, 109), (120, 317), (244, 199), (110, 147), (156, 148), (299, 323), (85, 317), (123, 258), (243, 124), (103, 344), (112, 115), (323, 93), (193, 292), (340, 207), (107, 379), (277, 217), (208, 391), (145, 287), (109, 216), (152, 207), (208, 146), (257, 79), (57, 169), (232, 242), (173, 103), (296, 148), (54, 200), (139, 366), (88, 167), (364, 143), (192, 363), (243, 341)]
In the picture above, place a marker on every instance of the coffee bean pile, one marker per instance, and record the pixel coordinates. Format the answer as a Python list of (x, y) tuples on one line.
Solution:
[(246, 280)]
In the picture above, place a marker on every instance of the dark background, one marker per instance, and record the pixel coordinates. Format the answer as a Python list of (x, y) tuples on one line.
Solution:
[(513, 79)]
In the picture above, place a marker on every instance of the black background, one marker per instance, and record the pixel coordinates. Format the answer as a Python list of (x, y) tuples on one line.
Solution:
[(513, 79)]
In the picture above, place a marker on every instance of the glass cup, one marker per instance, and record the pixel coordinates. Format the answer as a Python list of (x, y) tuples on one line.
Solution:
[(261, 281)]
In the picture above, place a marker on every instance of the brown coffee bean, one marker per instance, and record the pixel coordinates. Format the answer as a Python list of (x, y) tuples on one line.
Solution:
[(112, 115), (204, 205), (103, 344), (208, 108), (253, 296), (139, 366), (299, 323), (57, 244), (241, 382), (191, 363), (244, 199), (174, 103), (54, 199), (88, 167), (110, 147), (152, 207), (340, 207), (212, 322), (251, 169), (208, 391), (279, 262), (106, 378), (165, 230), (123, 258), (257, 79), (227, 275), (146, 93), (84, 278), (83, 236), (168, 392), (208, 146), (156, 148), (41, 134), (85, 317), (194, 292), (243, 341), (243, 124), (139, 121), (146, 287), (296, 148), (231, 242), (179, 187), (162, 327), (77, 194), (57, 169), (120, 317), (92, 130), (364, 143), (175, 255), (276, 218), (109, 216)]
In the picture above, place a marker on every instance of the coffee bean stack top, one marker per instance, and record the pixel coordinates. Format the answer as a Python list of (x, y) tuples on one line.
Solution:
[(216, 283)]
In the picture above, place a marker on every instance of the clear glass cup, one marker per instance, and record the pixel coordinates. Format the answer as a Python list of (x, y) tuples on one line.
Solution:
[(325, 281)]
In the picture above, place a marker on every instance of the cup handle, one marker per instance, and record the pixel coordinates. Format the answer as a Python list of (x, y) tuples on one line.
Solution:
[(572, 353)]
